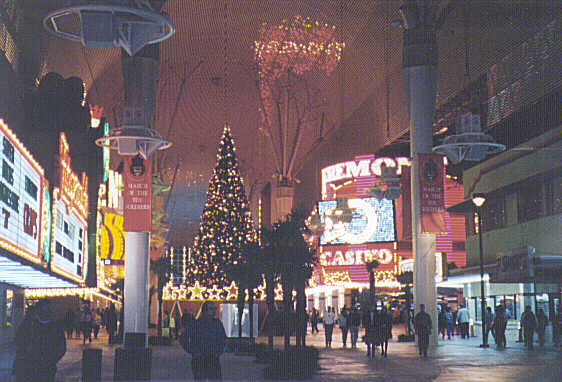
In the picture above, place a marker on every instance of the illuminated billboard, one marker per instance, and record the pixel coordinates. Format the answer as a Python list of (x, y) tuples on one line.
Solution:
[(21, 196), (372, 222), (70, 217)]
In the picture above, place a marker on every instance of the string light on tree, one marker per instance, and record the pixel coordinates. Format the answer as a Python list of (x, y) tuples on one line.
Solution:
[(226, 224)]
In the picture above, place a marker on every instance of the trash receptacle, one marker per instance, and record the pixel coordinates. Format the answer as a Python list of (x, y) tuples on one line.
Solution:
[(91, 364)]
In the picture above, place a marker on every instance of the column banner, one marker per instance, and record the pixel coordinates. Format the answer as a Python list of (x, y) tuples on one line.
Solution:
[(137, 194), (432, 195)]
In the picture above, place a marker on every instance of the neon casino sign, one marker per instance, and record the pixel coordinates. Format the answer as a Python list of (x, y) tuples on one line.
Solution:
[(356, 256), (361, 168), (73, 191)]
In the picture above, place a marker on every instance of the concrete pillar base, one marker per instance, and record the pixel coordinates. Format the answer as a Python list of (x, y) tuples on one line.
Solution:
[(132, 364)]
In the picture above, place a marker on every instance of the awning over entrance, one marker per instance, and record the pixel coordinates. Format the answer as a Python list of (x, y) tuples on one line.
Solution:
[(25, 276)]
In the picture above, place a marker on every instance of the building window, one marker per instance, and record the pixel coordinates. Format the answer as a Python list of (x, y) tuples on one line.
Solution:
[(493, 214), (58, 248), (530, 202), (68, 254)]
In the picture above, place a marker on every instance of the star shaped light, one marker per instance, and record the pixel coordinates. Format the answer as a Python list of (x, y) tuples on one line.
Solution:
[(214, 293), (196, 291), (232, 291)]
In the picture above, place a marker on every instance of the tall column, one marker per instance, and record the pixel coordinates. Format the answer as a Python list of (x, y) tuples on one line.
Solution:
[(136, 282), (420, 73)]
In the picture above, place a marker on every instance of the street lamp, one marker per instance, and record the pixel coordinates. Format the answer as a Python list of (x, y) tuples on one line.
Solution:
[(479, 199)]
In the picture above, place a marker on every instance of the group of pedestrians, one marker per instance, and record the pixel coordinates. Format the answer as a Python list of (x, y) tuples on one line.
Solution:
[(88, 322)]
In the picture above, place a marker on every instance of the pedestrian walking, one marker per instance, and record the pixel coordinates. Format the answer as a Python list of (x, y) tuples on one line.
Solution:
[(422, 326), (343, 323), (205, 339), (86, 324), (557, 326), (386, 331), (529, 324), (354, 323), (95, 323), (542, 321), (499, 324), (166, 325), (450, 322), (40, 344), (111, 323), (442, 322), (463, 318), (69, 319), (314, 321), (372, 325), (328, 319)]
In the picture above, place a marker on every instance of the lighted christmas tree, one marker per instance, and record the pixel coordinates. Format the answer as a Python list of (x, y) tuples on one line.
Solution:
[(226, 224)]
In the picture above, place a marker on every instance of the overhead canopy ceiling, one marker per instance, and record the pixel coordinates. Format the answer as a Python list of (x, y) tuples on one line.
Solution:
[(366, 87)]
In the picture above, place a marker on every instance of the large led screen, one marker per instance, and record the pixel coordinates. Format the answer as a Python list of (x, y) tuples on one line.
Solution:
[(372, 222)]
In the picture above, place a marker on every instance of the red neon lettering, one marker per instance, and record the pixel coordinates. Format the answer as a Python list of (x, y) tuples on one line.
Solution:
[(6, 217), (29, 221)]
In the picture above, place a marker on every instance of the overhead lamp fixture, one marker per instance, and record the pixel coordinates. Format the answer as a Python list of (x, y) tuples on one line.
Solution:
[(110, 24)]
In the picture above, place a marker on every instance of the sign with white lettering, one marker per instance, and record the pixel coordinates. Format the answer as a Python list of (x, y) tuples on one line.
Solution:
[(137, 194), (68, 256), (21, 186), (361, 168), (69, 219)]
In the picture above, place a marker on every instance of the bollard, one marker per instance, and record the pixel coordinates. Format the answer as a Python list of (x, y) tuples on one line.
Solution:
[(91, 364)]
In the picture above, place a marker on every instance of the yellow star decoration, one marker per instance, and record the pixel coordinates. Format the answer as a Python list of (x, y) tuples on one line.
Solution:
[(196, 291), (214, 293), (232, 291), (260, 292)]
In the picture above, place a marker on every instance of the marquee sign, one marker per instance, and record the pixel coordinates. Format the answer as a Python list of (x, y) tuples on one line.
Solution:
[(361, 168), (69, 217), (21, 197), (373, 221), (352, 255)]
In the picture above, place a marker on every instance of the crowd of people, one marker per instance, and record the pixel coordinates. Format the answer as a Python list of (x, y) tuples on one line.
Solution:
[(41, 341)]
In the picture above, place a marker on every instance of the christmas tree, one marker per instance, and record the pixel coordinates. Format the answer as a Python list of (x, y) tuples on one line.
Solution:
[(226, 224)]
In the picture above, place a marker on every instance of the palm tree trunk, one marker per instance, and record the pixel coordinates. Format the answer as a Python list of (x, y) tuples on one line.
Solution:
[(240, 304), (270, 291), (160, 290), (251, 311), (301, 313), (287, 309)]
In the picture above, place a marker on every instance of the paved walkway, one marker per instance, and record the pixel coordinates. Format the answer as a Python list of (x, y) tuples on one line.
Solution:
[(455, 360)]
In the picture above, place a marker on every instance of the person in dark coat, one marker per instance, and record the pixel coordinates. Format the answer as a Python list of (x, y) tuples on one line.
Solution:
[(205, 339), (69, 319), (529, 324), (111, 323), (499, 324), (372, 324), (422, 325), (542, 321), (386, 331), (40, 344), (442, 322), (354, 323), (314, 321)]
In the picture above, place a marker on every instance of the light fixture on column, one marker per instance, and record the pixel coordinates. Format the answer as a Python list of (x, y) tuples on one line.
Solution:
[(110, 24), (479, 199), (469, 142), (133, 140)]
